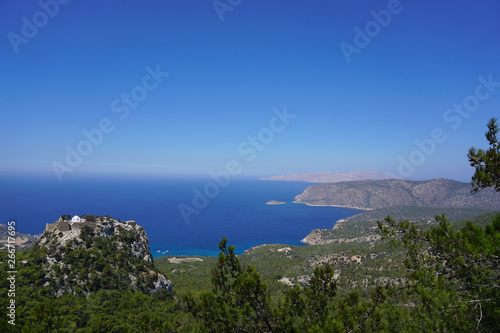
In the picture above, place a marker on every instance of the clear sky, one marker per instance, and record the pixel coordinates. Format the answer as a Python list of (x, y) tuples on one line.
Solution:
[(278, 87)]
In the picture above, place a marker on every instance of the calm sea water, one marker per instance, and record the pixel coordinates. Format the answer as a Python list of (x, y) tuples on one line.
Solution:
[(239, 212)]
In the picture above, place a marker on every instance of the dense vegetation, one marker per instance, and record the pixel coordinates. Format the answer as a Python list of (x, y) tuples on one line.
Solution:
[(452, 275), (91, 263), (361, 227), (419, 215), (438, 279)]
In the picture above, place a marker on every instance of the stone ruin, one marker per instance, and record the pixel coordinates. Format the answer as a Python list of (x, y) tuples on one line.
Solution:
[(62, 225)]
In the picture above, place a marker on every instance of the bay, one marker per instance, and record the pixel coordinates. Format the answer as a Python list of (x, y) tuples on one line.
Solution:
[(237, 211)]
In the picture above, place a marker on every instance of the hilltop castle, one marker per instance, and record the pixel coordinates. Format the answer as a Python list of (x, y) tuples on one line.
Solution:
[(76, 222), (118, 247)]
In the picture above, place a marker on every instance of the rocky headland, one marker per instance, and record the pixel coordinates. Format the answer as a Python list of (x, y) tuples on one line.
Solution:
[(84, 255), (415, 201), (375, 194)]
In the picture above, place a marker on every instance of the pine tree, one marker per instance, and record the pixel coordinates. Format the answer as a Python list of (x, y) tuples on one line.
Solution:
[(239, 301), (486, 162)]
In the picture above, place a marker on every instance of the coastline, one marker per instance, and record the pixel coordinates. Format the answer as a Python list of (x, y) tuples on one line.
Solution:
[(214, 253), (340, 206), (338, 223)]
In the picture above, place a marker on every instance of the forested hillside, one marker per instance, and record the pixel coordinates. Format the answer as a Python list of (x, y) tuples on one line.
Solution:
[(359, 287)]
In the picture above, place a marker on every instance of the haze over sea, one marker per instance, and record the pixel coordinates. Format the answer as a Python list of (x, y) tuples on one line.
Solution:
[(238, 213)]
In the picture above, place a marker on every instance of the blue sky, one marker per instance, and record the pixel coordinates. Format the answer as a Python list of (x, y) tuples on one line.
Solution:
[(66, 67)]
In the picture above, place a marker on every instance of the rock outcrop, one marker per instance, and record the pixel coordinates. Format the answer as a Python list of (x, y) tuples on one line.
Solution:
[(87, 256)]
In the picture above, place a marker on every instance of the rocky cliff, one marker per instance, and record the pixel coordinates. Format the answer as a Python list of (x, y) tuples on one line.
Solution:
[(88, 256)]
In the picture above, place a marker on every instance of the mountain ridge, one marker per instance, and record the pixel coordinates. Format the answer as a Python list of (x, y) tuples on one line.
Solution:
[(374, 194)]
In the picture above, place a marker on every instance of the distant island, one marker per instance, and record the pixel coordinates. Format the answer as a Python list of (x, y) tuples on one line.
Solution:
[(329, 177), (275, 202)]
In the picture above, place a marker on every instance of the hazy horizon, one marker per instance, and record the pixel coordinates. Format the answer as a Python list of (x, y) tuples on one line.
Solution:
[(261, 89), (49, 176)]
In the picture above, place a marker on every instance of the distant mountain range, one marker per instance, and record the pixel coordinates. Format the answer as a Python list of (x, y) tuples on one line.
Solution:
[(374, 194), (330, 177)]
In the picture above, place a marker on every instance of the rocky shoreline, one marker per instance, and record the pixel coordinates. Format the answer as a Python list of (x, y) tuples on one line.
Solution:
[(316, 237), (339, 206)]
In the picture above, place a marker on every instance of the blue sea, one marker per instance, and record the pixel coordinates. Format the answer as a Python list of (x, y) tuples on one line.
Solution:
[(237, 211)]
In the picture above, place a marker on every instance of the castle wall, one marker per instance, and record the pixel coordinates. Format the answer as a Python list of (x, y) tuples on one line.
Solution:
[(64, 226), (50, 227), (79, 225)]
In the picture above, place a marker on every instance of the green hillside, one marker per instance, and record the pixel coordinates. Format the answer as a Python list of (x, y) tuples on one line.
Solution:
[(345, 286)]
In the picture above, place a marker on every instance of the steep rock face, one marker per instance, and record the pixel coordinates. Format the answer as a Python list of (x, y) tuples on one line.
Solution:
[(63, 231), (88, 256), (369, 194)]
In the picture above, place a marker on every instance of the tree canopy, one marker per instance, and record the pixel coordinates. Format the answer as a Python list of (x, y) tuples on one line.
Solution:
[(486, 162)]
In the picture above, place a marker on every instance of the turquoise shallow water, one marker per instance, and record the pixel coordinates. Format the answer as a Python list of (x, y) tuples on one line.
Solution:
[(237, 211)]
